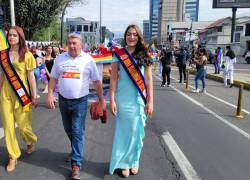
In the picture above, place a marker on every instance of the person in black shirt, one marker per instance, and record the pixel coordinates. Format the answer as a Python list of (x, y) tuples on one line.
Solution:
[(181, 63), (166, 59)]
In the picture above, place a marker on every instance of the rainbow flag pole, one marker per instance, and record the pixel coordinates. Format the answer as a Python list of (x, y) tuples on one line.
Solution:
[(3, 41)]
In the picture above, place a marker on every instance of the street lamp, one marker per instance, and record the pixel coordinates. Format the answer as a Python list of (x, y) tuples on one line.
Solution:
[(12, 13)]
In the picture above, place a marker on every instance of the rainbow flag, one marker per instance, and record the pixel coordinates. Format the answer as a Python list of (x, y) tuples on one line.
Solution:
[(103, 58), (220, 57), (153, 56), (3, 41)]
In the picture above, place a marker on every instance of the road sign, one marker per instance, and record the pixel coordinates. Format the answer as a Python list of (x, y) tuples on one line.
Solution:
[(231, 3)]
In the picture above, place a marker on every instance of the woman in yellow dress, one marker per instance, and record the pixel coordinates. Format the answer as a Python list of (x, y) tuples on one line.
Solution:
[(11, 109)]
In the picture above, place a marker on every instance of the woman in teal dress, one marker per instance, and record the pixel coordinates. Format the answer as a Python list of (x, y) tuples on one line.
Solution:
[(128, 106)]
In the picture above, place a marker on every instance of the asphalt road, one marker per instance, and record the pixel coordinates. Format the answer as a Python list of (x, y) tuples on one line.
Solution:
[(204, 127), (206, 131)]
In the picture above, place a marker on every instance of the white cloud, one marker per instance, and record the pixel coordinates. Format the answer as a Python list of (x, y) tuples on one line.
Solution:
[(116, 14)]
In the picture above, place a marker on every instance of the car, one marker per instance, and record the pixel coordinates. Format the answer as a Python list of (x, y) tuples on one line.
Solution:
[(247, 57)]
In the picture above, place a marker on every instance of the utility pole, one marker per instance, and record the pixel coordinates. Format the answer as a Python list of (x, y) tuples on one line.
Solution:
[(100, 21), (12, 13), (234, 9)]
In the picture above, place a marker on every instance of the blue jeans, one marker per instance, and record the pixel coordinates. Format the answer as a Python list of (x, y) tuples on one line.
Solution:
[(73, 113), (37, 77), (201, 74)]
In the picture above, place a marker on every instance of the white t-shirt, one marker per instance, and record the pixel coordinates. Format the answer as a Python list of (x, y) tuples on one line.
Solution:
[(74, 74)]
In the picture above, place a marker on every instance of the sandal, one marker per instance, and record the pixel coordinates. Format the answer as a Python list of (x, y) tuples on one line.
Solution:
[(11, 165), (30, 148), (125, 173), (134, 170)]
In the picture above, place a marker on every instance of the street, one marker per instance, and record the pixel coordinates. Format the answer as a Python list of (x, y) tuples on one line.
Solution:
[(214, 142)]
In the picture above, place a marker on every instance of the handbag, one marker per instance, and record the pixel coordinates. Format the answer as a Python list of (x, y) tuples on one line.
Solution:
[(96, 112)]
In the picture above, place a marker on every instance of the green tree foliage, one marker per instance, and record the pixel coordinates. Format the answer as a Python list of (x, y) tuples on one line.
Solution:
[(33, 16)]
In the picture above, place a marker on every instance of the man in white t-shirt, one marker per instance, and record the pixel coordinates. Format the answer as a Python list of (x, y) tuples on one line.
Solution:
[(73, 71)]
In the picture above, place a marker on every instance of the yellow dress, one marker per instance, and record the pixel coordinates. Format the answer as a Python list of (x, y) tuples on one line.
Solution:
[(12, 111)]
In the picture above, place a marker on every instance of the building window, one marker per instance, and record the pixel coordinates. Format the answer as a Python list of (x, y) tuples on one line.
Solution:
[(237, 37), (79, 28), (239, 28), (219, 29), (247, 30), (71, 28), (91, 28), (85, 28)]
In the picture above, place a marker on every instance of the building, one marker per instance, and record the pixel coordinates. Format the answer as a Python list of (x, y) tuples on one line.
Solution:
[(169, 11), (88, 29), (192, 9), (218, 34), (153, 18), (186, 32), (146, 32)]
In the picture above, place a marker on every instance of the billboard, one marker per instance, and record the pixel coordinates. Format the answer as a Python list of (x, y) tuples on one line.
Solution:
[(231, 3)]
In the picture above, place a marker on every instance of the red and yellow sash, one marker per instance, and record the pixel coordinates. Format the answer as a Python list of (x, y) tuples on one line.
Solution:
[(14, 80), (132, 70)]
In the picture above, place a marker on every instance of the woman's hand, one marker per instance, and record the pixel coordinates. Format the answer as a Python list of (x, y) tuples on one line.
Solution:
[(113, 107), (149, 109), (34, 101)]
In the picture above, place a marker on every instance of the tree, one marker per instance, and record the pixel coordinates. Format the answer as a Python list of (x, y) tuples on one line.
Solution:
[(67, 3), (34, 15)]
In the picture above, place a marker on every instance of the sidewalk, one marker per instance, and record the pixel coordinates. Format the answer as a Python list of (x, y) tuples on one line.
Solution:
[(240, 76)]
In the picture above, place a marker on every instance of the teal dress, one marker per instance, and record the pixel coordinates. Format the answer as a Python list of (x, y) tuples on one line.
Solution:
[(130, 123)]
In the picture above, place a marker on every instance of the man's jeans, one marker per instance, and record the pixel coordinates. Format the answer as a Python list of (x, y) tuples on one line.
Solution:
[(73, 113)]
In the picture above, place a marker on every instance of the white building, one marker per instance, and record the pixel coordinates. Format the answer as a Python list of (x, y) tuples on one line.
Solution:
[(218, 34), (88, 29)]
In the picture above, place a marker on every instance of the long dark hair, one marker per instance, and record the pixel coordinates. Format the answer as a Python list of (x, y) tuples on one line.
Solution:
[(22, 44), (141, 50)]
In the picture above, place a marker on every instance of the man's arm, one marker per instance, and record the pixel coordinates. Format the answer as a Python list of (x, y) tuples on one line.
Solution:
[(98, 87)]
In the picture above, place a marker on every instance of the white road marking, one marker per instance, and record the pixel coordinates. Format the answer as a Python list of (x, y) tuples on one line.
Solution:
[(180, 157), (221, 100), (245, 134)]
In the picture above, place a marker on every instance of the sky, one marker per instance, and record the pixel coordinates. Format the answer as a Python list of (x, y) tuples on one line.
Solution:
[(118, 14)]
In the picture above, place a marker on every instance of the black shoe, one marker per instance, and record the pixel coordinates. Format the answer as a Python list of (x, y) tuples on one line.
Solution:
[(231, 85), (75, 173), (180, 81)]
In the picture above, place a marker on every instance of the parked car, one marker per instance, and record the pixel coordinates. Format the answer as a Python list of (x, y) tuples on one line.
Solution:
[(247, 57)]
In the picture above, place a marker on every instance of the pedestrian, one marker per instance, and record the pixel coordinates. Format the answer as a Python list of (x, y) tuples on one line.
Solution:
[(128, 101), (16, 80), (48, 62), (218, 61), (229, 61), (181, 63), (37, 70), (74, 71), (201, 61), (166, 59)]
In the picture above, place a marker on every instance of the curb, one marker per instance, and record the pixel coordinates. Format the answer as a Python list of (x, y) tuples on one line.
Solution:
[(221, 79)]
